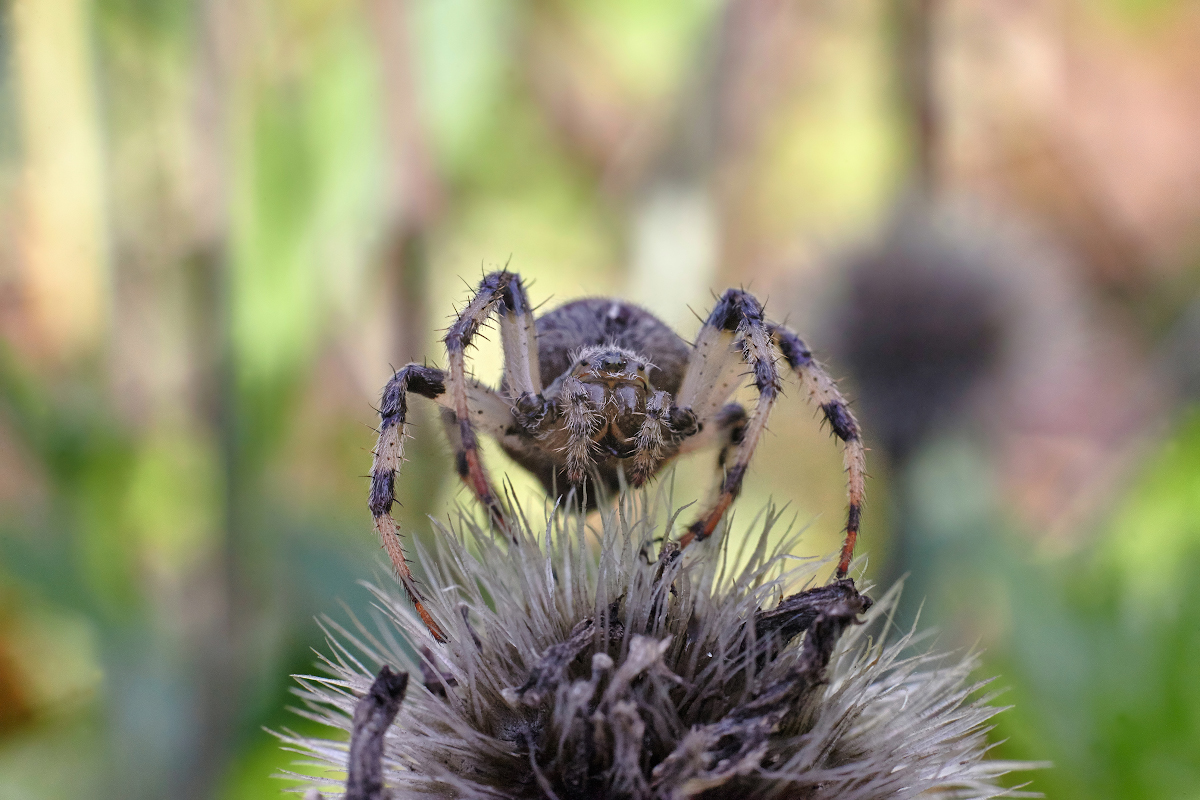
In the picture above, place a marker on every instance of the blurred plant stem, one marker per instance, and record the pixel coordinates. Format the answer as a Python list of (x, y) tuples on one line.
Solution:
[(414, 193), (415, 202), (219, 653), (916, 29)]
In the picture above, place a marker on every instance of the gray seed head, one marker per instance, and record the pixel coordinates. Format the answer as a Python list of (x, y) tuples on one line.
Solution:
[(578, 668)]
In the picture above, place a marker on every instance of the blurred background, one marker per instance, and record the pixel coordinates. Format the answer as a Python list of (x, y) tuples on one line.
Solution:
[(222, 222)]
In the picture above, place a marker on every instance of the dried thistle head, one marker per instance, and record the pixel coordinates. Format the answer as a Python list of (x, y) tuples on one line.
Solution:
[(578, 668)]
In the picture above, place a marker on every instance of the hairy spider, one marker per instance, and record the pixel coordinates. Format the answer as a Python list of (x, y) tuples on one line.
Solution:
[(600, 386)]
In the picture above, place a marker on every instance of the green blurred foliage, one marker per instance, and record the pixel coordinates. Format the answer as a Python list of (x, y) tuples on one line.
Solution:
[(1104, 648)]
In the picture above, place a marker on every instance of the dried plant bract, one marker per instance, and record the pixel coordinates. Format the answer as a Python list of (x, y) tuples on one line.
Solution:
[(575, 667)]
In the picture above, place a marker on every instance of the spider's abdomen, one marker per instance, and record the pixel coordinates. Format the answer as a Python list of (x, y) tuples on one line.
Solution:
[(598, 321)]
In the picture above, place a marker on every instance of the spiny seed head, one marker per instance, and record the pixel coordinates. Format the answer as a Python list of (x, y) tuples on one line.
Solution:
[(579, 668)]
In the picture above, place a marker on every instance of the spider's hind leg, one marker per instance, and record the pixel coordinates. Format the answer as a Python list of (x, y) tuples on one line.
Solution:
[(824, 392), (389, 455)]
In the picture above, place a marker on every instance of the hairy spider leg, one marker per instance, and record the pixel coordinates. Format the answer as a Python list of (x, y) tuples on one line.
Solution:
[(730, 423), (723, 431), (823, 391), (737, 317), (518, 337), (389, 455), (501, 292)]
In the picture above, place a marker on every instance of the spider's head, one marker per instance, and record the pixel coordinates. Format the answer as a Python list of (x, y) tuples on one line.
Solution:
[(612, 367)]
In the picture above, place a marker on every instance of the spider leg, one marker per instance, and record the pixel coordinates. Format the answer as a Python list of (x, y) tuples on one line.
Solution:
[(725, 429), (389, 455), (504, 293), (731, 422), (737, 314), (490, 413), (824, 392), (715, 369), (518, 337)]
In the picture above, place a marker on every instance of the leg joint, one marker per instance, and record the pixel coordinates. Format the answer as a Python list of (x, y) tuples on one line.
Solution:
[(471, 319), (734, 307), (841, 421), (426, 381), (732, 418), (512, 294), (382, 493), (766, 377), (854, 517), (793, 348)]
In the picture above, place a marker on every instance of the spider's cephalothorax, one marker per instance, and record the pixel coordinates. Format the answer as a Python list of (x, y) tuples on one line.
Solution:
[(610, 370), (599, 387)]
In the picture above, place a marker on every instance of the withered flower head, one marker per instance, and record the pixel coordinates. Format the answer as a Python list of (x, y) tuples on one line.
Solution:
[(579, 667)]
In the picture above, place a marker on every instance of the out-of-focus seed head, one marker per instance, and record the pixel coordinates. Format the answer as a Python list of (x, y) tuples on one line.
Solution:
[(577, 667)]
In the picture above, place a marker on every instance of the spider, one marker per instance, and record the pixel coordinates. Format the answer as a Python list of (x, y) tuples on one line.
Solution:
[(598, 387)]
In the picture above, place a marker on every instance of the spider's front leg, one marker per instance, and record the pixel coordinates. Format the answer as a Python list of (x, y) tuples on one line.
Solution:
[(824, 392), (710, 379), (489, 413), (500, 292), (714, 372), (389, 455)]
